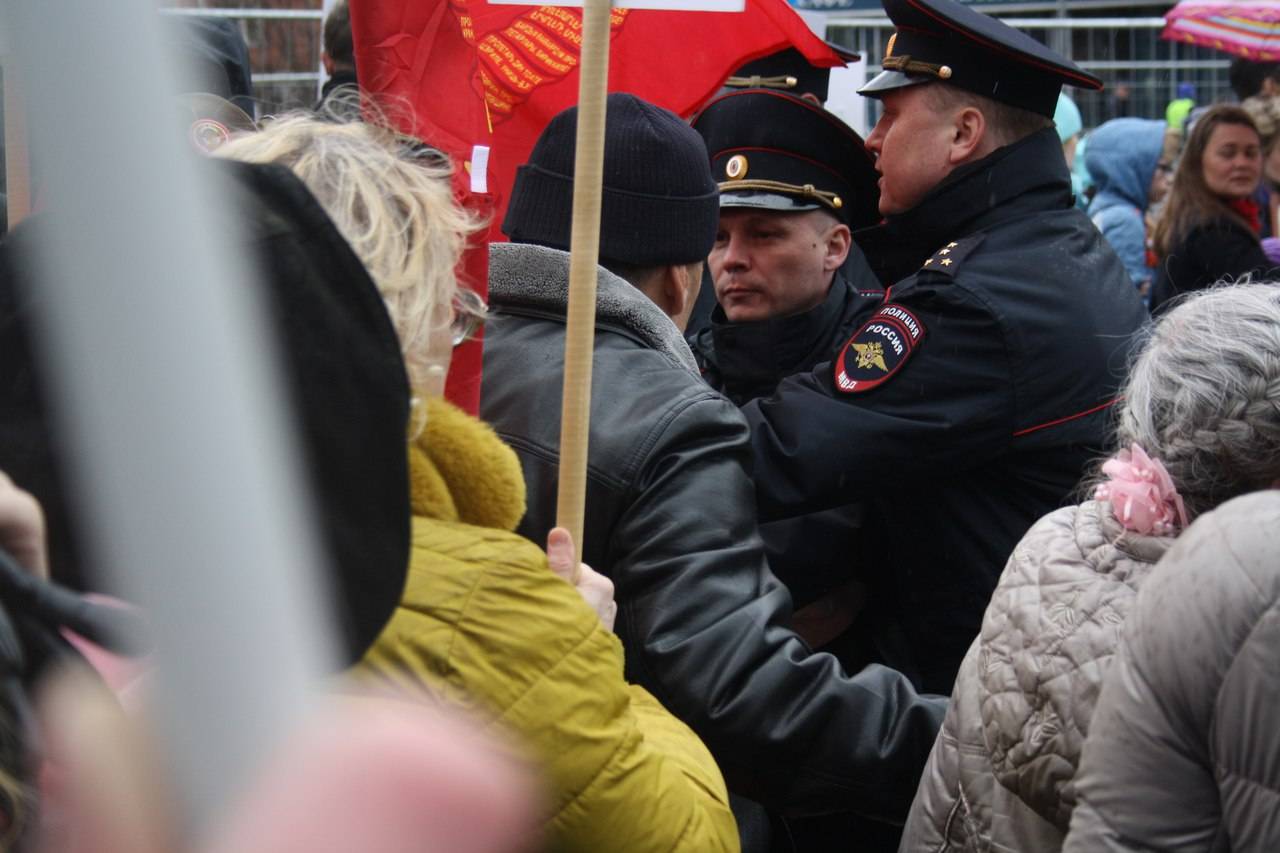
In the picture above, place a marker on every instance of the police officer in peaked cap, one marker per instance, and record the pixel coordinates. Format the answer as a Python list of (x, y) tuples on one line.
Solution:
[(794, 182), (790, 284), (788, 72), (965, 403)]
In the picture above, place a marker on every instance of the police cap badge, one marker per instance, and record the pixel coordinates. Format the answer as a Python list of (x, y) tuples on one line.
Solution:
[(776, 151)]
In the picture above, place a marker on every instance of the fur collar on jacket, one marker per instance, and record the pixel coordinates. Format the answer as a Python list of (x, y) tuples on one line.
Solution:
[(459, 470), (522, 275)]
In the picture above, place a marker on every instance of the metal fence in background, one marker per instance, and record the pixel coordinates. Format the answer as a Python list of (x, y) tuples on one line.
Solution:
[(1141, 71), (284, 47)]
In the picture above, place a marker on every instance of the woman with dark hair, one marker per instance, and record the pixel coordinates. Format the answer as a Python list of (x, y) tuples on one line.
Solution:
[(1210, 226)]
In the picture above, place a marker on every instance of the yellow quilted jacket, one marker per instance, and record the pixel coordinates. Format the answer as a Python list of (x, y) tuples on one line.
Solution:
[(485, 624)]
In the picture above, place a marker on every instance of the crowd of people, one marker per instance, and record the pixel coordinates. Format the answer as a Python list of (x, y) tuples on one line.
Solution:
[(929, 503)]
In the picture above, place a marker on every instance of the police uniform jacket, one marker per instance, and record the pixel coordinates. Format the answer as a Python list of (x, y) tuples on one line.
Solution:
[(748, 360), (969, 403), (671, 519)]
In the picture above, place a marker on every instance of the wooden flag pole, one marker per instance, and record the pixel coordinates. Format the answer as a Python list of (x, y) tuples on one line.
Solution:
[(584, 251), (16, 164)]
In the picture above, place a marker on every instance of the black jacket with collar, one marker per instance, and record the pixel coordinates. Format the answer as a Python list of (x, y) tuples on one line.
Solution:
[(1216, 249), (748, 360), (671, 519), (986, 422)]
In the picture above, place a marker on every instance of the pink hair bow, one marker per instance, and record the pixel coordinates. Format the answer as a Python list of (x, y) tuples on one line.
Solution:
[(1142, 495)]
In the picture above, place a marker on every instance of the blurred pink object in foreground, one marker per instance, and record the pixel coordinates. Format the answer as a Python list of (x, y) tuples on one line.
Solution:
[(372, 775)]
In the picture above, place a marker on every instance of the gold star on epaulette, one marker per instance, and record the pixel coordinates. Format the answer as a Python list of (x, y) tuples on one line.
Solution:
[(928, 261), (952, 245), (946, 262), (944, 251)]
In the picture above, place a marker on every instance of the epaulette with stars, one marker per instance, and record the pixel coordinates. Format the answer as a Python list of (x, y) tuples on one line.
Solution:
[(947, 260)]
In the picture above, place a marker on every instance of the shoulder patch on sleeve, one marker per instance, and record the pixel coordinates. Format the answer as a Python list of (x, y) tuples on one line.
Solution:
[(877, 350), (949, 257)]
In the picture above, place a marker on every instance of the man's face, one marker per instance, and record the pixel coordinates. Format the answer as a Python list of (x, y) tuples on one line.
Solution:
[(911, 143), (767, 264)]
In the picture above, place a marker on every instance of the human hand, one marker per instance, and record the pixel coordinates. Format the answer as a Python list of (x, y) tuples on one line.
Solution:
[(595, 588), (22, 531)]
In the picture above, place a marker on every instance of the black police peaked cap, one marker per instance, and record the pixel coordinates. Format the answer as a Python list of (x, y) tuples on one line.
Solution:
[(775, 151), (942, 40), (788, 70)]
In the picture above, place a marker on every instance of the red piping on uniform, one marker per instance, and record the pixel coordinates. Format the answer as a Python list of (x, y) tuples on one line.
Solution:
[(1048, 424)]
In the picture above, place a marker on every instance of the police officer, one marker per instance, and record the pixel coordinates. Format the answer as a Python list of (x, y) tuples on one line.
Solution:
[(966, 405), (791, 286), (786, 71), (794, 179)]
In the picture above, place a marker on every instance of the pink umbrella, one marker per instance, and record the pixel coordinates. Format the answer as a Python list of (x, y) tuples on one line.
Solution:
[(1251, 30)]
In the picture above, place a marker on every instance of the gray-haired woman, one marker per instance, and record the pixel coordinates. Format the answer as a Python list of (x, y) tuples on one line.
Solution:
[(1199, 425)]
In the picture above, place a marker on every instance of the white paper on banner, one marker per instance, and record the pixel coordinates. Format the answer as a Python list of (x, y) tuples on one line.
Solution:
[(843, 98), (669, 5), (480, 169)]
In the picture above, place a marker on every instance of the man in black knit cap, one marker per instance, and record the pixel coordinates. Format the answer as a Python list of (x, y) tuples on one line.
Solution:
[(670, 513)]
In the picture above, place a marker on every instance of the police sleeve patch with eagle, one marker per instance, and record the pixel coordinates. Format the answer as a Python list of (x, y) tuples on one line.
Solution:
[(877, 350)]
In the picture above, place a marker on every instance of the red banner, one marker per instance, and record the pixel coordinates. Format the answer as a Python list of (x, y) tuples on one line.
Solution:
[(462, 73)]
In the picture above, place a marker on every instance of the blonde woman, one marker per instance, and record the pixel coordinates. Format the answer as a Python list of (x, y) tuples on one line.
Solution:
[(484, 621)]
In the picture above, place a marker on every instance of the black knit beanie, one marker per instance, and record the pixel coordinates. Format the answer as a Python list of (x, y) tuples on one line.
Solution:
[(659, 205)]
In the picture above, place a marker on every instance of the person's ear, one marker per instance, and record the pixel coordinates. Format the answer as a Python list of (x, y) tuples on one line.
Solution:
[(839, 241), (969, 135), (327, 61), (675, 289), (679, 292)]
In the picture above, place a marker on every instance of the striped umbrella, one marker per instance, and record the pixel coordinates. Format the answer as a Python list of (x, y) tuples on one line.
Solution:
[(1251, 30)]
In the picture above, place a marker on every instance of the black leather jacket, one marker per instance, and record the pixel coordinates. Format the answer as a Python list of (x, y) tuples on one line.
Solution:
[(671, 518), (983, 424)]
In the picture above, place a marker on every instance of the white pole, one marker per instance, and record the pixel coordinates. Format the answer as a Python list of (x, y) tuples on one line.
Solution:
[(181, 447)]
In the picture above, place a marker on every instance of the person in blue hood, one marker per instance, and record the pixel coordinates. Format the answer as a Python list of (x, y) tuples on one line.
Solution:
[(1123, 159)]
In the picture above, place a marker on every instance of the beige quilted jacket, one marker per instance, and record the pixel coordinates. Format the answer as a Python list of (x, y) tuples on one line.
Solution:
[(1000, 774), (1183, 757)]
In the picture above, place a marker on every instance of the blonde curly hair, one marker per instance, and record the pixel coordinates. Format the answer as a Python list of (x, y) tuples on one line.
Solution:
[(392, 200)]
